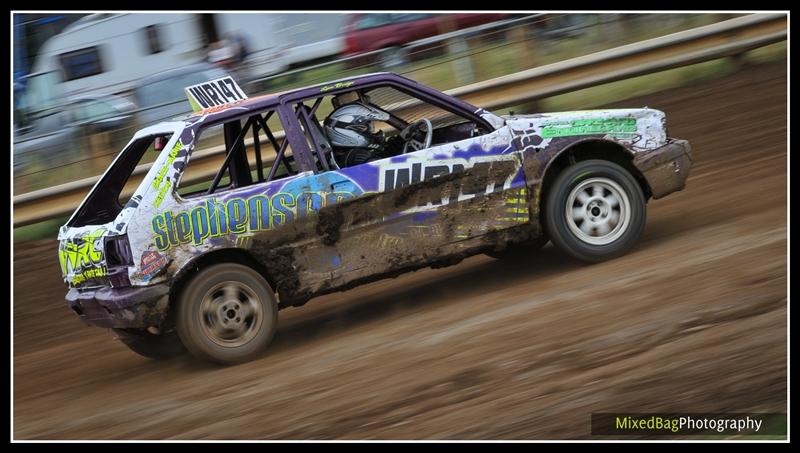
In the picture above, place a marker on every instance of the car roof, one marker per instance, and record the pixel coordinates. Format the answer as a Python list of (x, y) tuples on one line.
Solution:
[(96, 96), (176, 72), (268, 100), (119, 102)]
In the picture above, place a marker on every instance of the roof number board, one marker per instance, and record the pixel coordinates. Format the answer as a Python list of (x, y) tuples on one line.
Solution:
[(214, 93)]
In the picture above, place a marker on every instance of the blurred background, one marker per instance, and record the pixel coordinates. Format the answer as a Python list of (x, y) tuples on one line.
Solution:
[(693, 320), (84, 83)]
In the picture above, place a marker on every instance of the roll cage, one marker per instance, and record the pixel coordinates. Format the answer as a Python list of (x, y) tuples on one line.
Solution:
[(310, 149)]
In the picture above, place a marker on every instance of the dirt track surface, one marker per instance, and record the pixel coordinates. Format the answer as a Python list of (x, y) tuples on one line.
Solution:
[(692, 320)]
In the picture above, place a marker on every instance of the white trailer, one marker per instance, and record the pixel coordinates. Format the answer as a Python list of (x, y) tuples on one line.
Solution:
[(107, 53)]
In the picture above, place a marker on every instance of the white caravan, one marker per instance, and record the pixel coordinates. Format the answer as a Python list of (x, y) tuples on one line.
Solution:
[(107, 53)]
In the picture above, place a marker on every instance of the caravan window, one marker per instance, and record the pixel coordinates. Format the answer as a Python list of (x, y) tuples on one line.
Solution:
[(152, 39), (81, 63)]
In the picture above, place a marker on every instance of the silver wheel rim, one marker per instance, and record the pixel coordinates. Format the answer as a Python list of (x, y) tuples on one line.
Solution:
[(230, 314), (598, 211)]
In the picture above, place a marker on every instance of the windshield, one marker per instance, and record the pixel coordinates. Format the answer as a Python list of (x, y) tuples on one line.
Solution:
[(37, 94), (171, 89), (40, 91)]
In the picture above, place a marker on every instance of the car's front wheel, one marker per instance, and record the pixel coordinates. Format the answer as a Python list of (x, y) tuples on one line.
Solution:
[(227, 314), (595, 210)]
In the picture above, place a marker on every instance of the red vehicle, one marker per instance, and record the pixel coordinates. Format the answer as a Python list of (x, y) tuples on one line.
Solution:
[(391, 31)]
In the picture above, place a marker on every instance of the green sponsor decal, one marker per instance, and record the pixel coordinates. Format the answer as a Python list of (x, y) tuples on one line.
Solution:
[(162, 193), (80, 252), (170, 159), (613, 126), (90, 274), (214, 218), (80, 257)]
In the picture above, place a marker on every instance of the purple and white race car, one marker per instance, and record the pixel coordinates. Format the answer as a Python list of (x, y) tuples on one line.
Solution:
[(200, 249)]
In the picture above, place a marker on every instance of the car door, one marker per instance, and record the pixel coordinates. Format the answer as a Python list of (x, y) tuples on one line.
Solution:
[(452, 192), (58, 139), (413, 209)]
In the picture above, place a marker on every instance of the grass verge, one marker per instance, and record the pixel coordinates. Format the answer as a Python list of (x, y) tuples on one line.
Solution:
[(581, 99), (42, 230)]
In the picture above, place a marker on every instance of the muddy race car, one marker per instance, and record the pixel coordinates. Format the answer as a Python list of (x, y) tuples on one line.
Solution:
[(335, 185)]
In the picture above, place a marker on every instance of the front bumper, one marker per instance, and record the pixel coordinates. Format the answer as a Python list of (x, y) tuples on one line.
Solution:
[(124, 308), (665, 168)]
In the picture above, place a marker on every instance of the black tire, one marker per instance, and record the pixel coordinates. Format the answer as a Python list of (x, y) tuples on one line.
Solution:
[(597, 245), (158, 347), (520, 251), (226, 327)]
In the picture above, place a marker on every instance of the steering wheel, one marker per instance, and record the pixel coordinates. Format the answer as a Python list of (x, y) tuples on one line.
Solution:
[(418, 135)]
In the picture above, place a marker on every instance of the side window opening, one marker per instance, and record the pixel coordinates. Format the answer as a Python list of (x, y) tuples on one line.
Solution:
[(267, 167), (195, 179), (373, 20), (410, 109), (402, 108), (254, 154), (116, 186)]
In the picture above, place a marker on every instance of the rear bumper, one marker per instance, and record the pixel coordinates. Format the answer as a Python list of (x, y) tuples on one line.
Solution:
[(666, 168), (124, 308)]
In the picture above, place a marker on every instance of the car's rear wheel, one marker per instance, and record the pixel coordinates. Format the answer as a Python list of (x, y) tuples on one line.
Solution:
[(153, 346), (227, 314), (595, 210)]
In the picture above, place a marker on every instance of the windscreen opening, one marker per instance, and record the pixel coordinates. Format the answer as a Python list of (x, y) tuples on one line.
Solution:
[(116, 186)]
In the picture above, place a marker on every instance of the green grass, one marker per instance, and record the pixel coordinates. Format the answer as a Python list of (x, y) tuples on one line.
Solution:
[(624, 89), (766, 54), (638, 86), (42, 230), (502, 56)]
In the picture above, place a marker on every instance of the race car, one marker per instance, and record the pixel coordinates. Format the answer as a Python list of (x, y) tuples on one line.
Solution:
[(331, 186)]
